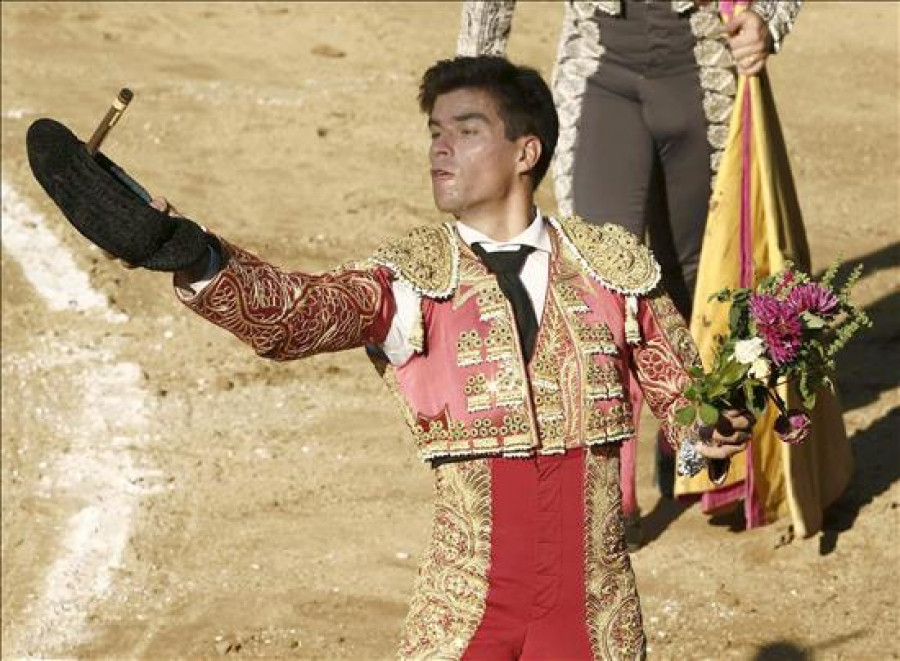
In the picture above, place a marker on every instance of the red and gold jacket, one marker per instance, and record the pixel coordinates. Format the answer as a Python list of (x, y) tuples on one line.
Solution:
[(467, 391)]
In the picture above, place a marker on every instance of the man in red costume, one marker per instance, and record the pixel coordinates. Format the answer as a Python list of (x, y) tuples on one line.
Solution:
[(508, 337)]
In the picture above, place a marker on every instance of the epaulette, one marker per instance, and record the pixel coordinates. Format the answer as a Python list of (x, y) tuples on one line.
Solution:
[(615, 258), (612, 255), (427, 259)]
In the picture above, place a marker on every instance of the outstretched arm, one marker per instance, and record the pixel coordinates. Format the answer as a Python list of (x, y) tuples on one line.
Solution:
[(281, 315), (284, 316)]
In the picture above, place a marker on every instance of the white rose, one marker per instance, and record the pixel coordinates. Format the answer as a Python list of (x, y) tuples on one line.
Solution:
[(746, 351), (760, 369)]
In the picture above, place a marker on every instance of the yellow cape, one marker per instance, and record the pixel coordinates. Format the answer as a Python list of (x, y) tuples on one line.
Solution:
[(797, 480)]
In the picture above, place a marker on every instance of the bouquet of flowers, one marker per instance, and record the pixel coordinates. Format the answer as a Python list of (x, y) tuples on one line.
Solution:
[(788, 330)]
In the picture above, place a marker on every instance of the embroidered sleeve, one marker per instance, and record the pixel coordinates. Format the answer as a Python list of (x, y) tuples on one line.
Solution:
[(485, 27), (779, 16), (284, 316), (661, 361)]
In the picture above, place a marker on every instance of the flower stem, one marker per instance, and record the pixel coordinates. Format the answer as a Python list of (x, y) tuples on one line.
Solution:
[(776, 399)]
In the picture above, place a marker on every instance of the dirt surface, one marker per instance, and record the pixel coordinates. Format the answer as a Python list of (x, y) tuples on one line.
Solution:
[(166, 494)]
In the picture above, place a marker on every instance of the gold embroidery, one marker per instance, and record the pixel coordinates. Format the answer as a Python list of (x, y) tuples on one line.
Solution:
[(568, 296), (500, 342), (576, 389), (468, 348), (491, 302), (477, 396), (612, 255), (472, 289), (583, 383), (451, 589), (441, 438), (285, 316), (603, 381), (548, 369), (674, 329), (613, 609), (595, 338), (439, 433), (471, 270), (427, 259), (612, 425), (510, 386), (548, 406), (517, 423), (663, 378)]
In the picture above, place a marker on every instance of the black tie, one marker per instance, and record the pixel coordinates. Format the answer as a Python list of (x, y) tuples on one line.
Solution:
[(507, 265)]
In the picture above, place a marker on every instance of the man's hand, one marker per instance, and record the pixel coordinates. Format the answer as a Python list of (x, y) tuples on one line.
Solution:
[(729, 436), (158, 203), (750, 42), (103, 210)]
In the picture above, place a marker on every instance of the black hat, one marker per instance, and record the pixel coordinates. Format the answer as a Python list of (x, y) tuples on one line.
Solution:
[(103, 209)]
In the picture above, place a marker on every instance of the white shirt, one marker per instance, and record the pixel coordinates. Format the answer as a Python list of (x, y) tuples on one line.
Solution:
[(535, 276)]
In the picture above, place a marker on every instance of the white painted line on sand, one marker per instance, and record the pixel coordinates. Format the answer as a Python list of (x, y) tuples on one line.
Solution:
[(47, 265), (104, 425)]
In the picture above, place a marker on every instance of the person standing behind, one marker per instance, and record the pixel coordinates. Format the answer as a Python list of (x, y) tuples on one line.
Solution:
[(644, 92)]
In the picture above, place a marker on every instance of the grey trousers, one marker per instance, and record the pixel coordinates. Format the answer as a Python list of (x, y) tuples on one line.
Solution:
[(642, 160)]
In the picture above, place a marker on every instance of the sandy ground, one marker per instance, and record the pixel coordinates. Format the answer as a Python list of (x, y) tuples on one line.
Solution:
[(166, 494)]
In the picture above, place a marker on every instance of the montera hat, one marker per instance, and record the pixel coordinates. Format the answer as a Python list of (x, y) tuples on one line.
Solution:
[(102, 207)]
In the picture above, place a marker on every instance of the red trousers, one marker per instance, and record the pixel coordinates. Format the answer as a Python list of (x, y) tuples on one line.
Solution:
[(536, 597), (527, 561)]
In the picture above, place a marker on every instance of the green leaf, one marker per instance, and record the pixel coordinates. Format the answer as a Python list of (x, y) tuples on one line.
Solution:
[(812, 320), (709, 414), (807, 391), (717, 391), (734, 372), (685, 416), (755, 396), (734, 320), (721, 296)]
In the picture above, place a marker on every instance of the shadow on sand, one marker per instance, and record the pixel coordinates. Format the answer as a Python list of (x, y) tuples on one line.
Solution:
[(868, 368)]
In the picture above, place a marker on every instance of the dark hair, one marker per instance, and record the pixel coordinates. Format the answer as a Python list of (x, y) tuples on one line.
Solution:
[(523, 99)]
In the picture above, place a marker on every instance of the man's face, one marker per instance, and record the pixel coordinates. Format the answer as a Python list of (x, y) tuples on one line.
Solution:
[(472, 161)]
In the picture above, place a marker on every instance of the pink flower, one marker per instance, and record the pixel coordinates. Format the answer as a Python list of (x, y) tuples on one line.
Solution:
[(793, 427), (779, 326), (787, 279), (813, 298)]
